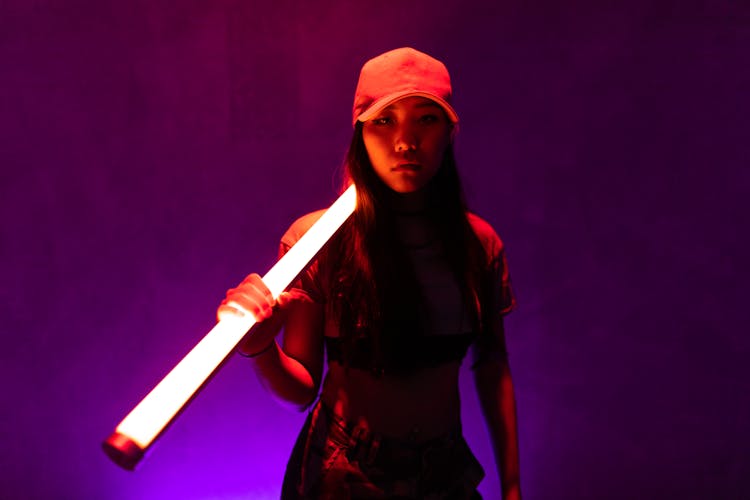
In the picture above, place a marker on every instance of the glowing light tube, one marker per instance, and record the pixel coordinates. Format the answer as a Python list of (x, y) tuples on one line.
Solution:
[(140, 428)]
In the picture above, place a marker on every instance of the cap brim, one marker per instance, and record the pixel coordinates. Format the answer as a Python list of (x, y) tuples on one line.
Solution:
[(377, 106)]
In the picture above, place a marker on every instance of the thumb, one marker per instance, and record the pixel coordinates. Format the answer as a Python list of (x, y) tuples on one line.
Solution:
[(286, 298)]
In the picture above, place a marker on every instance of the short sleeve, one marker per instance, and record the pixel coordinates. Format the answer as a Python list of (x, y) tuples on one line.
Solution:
[(308, 282), (504, 298), (496, 295)]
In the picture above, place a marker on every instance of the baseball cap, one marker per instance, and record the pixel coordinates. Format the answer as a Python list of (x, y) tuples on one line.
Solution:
[(397, 74)]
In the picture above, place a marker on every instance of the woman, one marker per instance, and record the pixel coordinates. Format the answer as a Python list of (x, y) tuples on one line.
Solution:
[(395, 300)]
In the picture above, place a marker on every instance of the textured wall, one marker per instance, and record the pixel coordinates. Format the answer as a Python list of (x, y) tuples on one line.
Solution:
[(152, 153)]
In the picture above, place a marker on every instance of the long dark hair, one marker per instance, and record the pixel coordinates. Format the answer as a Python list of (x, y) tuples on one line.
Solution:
[(375, 296)]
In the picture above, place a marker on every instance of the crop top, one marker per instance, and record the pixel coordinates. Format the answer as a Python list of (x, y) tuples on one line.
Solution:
[(447, 320)]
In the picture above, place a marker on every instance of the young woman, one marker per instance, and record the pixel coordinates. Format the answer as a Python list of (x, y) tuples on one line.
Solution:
[(393, 303)]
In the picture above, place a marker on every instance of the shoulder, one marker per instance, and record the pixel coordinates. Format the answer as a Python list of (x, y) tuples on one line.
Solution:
[(486, 234), (300, 227)]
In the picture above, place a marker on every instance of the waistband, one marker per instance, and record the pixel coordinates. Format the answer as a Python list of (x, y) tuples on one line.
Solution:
[(336, 451), (370, 447)]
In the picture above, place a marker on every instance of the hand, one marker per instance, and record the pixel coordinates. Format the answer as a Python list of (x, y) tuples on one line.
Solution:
[(253, 296)]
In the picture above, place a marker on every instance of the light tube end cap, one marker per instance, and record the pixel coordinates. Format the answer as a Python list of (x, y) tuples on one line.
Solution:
[(123, 451)]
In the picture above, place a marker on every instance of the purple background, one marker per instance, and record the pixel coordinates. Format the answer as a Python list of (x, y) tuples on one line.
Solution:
[(152, 153)]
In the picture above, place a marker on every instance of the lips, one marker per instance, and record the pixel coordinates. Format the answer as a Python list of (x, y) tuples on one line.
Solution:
[(407, 167)]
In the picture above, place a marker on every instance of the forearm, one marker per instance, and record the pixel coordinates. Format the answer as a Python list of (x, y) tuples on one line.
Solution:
[(495, 388), (286, 378), (291, 374)]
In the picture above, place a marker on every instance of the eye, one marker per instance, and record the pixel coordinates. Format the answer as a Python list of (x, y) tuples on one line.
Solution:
[(429, 118), (383, 120)]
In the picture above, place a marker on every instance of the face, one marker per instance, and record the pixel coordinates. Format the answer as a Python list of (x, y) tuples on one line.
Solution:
[(406, 142)]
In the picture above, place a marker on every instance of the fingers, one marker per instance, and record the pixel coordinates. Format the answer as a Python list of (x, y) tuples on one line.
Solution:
[(228, 311), (251, 296), (256, 281)]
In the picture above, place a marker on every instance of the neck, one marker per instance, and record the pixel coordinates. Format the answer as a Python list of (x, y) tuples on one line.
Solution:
[(410, 214), (408, 203)]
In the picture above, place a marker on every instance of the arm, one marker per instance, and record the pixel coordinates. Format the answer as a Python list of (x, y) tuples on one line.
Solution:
[(291, 372), (495, 390)]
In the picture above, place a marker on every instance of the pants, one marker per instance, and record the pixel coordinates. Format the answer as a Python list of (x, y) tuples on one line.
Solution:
[(335, 460)]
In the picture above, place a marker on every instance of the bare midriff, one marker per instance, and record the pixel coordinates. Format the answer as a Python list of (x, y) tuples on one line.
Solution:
[(417, 407)]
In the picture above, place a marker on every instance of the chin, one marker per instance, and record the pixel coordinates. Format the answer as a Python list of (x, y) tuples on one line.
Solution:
[(406, 187), (405, 190)]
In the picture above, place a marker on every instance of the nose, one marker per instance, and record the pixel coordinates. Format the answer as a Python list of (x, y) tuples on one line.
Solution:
[(406, 139)]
